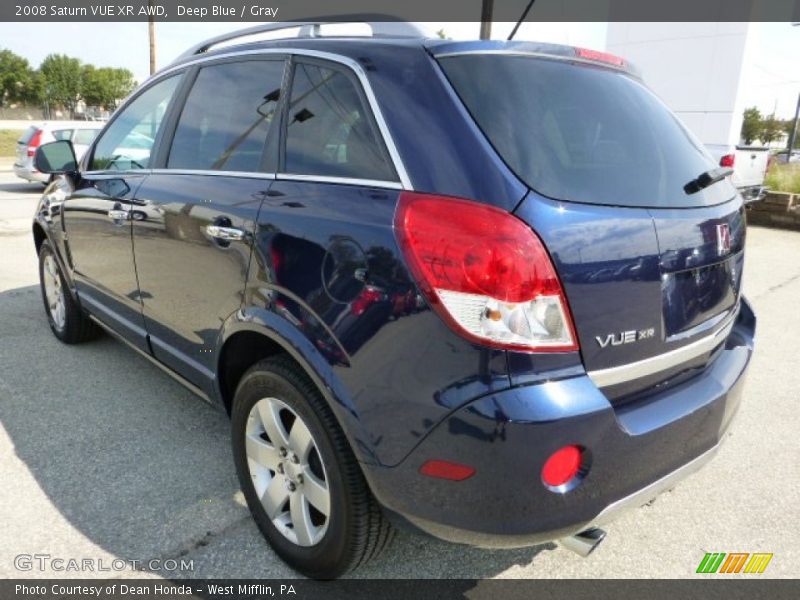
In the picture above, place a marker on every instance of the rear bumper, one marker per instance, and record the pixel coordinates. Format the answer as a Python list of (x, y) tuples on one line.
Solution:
[(28, 174), (634, 452), (753, 193)]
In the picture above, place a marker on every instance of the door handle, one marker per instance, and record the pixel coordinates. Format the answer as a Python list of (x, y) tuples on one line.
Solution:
[(118, 214), (228, 234)]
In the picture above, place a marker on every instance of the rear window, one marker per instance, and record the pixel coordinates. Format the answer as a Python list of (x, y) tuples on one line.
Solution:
[(583, 133), (27, 135)]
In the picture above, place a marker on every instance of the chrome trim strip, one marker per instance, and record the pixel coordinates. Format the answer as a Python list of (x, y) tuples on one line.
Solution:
[(397, 162), (647, 493), (649, 366), (212, 173), (342, 180)]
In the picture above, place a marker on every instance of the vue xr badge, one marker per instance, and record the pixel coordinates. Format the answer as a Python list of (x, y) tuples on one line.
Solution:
[(625, 337)]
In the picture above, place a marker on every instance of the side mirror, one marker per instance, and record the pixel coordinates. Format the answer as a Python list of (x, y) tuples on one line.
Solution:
[(55, 158)]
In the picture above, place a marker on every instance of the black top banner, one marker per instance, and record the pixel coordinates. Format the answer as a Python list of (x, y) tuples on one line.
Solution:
[(408, 10)]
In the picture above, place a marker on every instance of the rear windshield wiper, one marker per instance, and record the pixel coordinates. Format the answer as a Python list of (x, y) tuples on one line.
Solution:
[(706, 179)]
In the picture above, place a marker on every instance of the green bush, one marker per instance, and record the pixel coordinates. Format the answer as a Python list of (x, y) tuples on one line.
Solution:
[(8, 142), (784, 178)]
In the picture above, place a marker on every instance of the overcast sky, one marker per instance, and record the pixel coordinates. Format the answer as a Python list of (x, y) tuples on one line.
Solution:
[(774, 79)]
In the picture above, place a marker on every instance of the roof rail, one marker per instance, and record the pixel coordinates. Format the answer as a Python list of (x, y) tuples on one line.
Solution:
[(381, 25)]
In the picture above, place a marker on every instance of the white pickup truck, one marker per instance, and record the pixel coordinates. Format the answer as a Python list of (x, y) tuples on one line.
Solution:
[(749, 165)]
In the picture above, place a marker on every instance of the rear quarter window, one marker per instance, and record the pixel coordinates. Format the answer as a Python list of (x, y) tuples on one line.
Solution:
[(330, 130), (582, 133)]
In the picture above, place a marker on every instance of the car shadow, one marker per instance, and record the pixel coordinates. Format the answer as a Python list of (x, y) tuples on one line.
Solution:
[(21, 187), (141, 467)]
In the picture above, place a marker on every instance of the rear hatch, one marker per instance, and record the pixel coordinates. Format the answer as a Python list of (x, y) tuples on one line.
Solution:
[(750, 166), (22, 158), (651, 272)]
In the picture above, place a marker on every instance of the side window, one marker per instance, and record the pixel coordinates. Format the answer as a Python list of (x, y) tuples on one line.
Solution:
[(62, 134), (84, 137), (227, 115), (329, 131), (128, 142)]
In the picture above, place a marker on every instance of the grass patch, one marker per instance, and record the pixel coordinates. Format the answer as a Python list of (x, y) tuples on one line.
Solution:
[(784, 178), (8, 142)]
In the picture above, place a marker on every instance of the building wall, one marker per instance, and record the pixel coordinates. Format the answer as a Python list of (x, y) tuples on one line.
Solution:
[(698, 69)]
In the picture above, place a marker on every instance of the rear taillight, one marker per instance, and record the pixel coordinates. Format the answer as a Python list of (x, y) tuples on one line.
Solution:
[(34, 142), (727, 160), (368, 296), (485, 272)]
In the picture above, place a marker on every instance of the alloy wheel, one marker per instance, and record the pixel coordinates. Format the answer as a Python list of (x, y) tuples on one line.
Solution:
[(287, 471), (54, 292)]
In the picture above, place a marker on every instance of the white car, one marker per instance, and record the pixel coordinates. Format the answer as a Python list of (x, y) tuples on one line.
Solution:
[(80, 133), (749, 164)]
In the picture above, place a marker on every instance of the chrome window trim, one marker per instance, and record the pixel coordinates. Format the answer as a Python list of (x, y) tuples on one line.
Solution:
[(394, 155), (394, 185), (376, 183), (654, 364), (212, 173)]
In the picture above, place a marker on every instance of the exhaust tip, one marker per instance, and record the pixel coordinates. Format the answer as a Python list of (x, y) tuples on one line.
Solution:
[(585, 542)]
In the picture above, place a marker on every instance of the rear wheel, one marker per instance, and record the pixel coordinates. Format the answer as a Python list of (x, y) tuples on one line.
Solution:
[(299, 475), (67, 321)]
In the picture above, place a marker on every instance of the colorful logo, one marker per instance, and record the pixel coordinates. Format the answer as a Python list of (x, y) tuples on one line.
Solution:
[(735, 562)]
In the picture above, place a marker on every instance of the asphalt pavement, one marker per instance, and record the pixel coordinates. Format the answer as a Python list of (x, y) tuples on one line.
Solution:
[(104, 457)]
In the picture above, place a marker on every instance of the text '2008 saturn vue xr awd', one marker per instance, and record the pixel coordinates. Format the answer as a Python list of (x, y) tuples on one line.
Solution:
[(489, 290)]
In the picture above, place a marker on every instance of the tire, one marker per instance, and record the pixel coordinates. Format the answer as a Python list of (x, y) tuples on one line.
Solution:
[(67, 321), (354, 530)]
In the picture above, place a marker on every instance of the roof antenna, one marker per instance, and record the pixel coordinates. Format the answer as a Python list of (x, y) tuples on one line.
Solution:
[(521, 19)]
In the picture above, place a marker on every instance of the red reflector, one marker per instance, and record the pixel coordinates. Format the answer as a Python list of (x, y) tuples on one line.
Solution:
[(34, 142), (727, 160), (603, 57), (442, 469), (562, 466)]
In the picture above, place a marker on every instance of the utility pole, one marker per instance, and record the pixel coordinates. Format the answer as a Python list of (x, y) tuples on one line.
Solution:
[(486, 19), (151, 31), (793, 134)]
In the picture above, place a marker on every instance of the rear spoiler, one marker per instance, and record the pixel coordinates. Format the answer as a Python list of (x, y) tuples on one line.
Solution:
[(443, 48)]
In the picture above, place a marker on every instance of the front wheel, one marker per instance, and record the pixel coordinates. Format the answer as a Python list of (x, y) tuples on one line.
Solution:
[(67, 321), (299, 475)]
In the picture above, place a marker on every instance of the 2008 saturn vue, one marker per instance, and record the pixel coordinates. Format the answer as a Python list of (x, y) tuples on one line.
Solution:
[(490, 290)]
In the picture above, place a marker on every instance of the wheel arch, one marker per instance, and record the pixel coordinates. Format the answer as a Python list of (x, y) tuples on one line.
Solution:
[(258, 334), (41, 233)]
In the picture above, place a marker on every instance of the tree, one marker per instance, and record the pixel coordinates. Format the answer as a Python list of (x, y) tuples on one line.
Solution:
[(752, 124), (62, 80), (17, 79), (771, 129), (105, 86)]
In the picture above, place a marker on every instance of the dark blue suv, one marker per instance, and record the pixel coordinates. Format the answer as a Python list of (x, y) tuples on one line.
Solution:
[(487, 289)]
